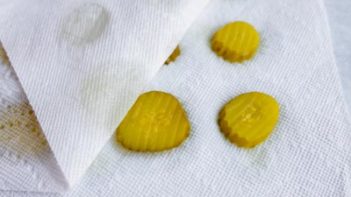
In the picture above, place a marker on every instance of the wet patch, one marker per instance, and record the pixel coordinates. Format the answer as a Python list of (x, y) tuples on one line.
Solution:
[(85, 24)]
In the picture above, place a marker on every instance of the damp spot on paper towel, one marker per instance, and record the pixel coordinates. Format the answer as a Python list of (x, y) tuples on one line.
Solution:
[(85, 24), (99, 93), (106, 95), (260, 159)]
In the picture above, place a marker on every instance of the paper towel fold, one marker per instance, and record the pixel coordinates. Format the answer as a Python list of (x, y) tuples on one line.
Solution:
[(339, 16), (26, 162), (83, 63), (306, 155)]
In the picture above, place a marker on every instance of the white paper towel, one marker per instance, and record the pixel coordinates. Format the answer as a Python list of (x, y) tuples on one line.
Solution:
[(26, 162), (83, 63), (339, 16), (307, 154)]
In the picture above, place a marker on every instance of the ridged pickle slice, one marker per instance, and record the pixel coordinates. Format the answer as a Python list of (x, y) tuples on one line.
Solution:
[(156, 122), (249, 118), (173, 56), (236, 41)]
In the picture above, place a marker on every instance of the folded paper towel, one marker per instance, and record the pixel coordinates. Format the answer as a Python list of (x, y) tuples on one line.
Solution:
[(26, 162), (82, 64), (307, 155)]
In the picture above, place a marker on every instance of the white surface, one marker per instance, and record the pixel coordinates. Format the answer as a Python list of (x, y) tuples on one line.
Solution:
[(26, 162), (79, 80), (339, 13), (307, 155)]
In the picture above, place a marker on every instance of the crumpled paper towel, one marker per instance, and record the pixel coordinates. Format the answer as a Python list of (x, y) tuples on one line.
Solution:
[(308, 154), (83, 63)]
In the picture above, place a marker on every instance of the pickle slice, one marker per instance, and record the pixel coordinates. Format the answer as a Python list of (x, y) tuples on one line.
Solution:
[(173, 56), (3, 56), (249, 118), (155, 122), (236, 41)]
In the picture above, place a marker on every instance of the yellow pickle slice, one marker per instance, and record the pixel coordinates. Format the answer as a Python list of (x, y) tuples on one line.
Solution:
[(249, 118), (173, 56), (3, 56), (156, 122), (236, 41)]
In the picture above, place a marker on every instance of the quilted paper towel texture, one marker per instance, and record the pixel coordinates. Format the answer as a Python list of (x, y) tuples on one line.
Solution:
[(83, 63), (306, 155), (26, 162), (295, 161)]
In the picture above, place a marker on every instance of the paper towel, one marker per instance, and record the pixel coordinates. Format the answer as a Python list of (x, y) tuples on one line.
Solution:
[(306, 155), (339, 16), (26, 162), (83, 63)]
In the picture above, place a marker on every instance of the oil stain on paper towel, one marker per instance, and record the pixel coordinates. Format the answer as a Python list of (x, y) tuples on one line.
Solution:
[(18, 125), (85, 24)]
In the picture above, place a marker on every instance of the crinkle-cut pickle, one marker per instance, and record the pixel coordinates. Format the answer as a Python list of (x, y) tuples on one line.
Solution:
[(173, 56), (249, 118), (236, 41), (156, 122)]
